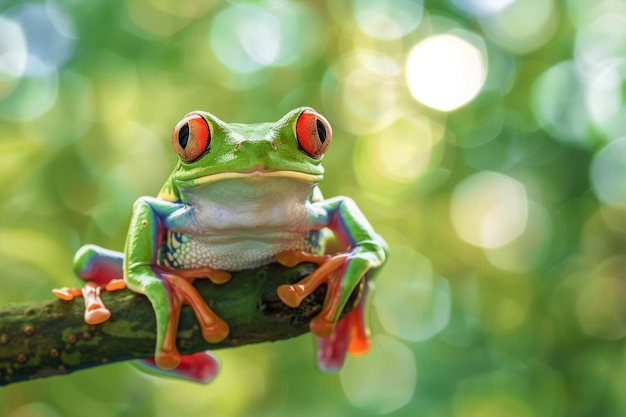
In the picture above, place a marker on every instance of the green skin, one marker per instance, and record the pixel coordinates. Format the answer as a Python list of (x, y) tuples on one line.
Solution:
[(248, 199)]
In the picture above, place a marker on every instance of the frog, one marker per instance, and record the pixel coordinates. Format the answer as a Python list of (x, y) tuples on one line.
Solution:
[(240, 196)]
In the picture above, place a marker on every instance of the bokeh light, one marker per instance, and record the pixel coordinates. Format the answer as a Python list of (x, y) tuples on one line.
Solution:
[(31, 97), (522, 26), (49, 36), (607, 29), (392, 161), (554, 95), (608, 173), (602, 297), (256, 37), (445, 71), (412, 302), (530, 248), (12, 48), (387, 20), (489, 209), (389, 363), (362, 86), (247, 37), (157, 18), (483, 6)]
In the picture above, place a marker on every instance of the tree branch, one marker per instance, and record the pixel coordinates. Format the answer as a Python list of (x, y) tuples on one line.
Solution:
[(42, 339)]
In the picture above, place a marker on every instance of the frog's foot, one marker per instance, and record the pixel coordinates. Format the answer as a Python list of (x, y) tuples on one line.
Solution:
[(330, 273), (200, 367), (95, 310), (349, 334), (182, 292)]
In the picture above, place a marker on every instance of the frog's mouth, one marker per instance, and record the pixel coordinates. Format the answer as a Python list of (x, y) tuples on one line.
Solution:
[(256, 173)]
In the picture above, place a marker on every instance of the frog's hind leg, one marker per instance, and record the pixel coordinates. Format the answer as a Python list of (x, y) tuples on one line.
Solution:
[(101, 269), (168, 292), (350, 334), (200, 367)]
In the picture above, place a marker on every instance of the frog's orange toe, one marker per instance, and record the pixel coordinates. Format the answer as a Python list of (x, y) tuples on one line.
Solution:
[(288, 259), (217, 332), (115, 285), (167, 359), (218, 277), (96, 314), (66, 293), (293, 258), (359, 346), (291, 295)]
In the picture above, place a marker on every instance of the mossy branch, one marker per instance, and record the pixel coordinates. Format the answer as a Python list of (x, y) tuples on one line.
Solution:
[(42, 339)]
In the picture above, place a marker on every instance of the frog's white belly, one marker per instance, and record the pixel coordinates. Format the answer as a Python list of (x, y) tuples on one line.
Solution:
[(232, 253), (232, 229)]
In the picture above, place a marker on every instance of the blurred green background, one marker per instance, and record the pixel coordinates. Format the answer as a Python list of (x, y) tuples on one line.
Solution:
[(484, 139)]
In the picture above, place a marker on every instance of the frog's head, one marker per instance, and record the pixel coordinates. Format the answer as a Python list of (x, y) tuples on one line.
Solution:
[(211, 150)]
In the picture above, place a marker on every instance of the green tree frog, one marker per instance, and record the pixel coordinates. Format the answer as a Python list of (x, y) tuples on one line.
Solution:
[(241, 196)]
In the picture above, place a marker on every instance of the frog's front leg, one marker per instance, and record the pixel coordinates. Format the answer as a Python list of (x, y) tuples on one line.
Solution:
[(365, 253), (102, 270), (167, 289)]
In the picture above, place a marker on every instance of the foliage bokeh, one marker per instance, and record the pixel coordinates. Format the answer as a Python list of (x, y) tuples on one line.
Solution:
[(485, 140)]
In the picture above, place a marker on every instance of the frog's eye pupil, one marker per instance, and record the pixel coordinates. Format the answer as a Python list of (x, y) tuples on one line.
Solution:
[(183, 136), (321, 130)]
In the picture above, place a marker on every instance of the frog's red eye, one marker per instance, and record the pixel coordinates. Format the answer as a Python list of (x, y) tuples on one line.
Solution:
[(191, 137), (313, 133)]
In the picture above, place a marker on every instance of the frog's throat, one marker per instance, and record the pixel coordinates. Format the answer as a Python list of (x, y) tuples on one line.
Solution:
[(206, 179)]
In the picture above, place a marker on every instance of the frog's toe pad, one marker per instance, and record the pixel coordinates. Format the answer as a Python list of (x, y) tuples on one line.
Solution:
[(359, 346), (66, 293), (115, 285), (96, 314), (201, 367), (291, 295), (167, 360), (216, 332)]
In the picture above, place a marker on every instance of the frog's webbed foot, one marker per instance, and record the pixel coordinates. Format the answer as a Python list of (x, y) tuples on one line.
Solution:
[(95, 310), (341, 274), (181, 292)]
